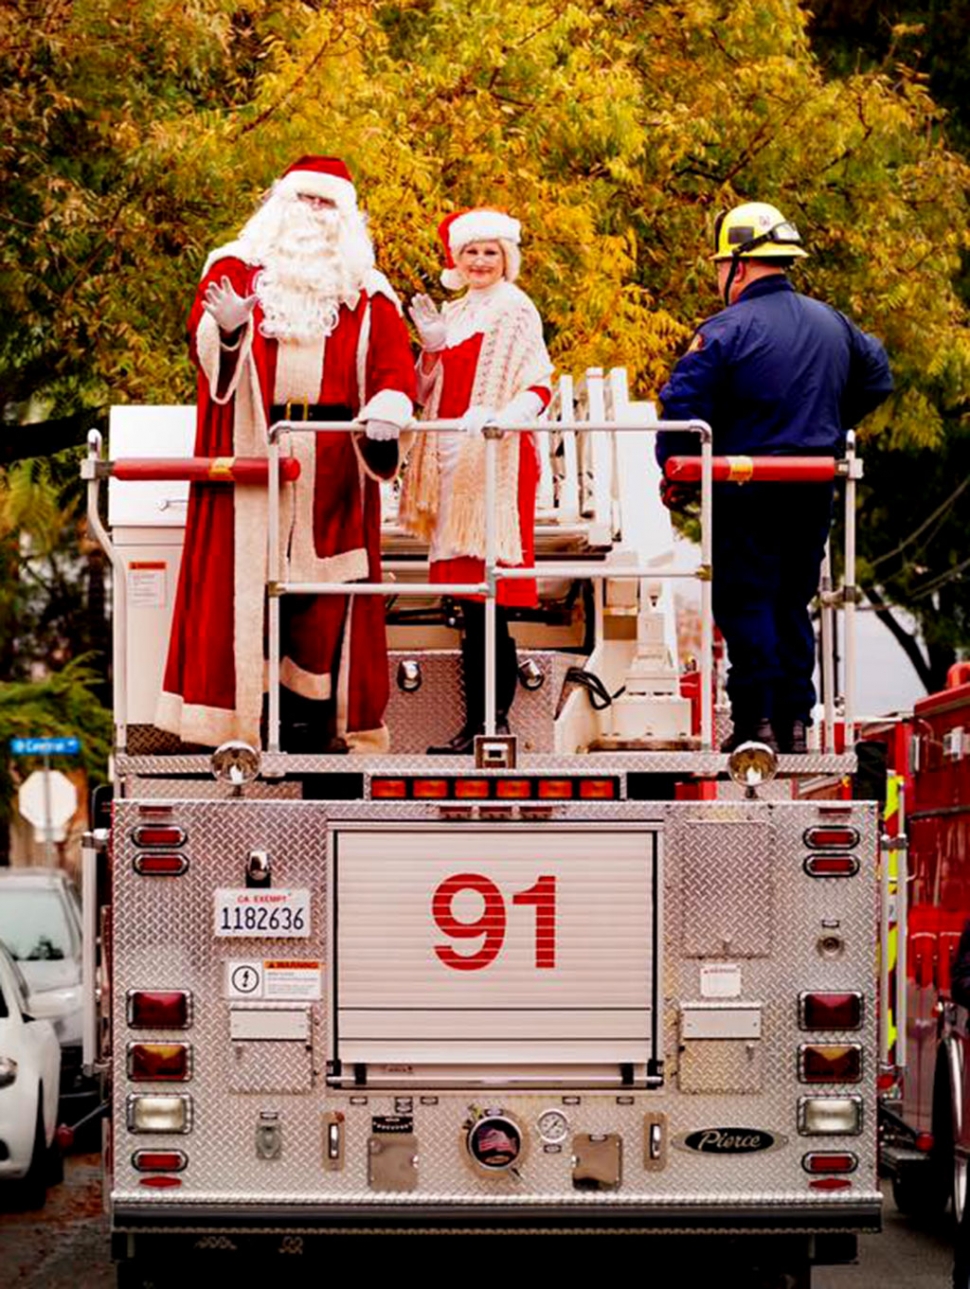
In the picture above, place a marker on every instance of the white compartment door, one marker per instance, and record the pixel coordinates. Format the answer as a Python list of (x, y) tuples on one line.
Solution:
[(503, 945)]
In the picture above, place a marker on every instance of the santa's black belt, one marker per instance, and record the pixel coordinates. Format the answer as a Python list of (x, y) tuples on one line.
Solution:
[(298, 410)]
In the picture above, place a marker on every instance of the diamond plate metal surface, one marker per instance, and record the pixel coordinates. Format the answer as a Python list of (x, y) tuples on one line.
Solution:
[(727, 877), (435, 712), (163, 939), (269, 1067), (720, 1065)]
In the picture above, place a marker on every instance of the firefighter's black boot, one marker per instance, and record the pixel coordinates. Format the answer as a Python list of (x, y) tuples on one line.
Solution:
[(792, 736), (750, 731)]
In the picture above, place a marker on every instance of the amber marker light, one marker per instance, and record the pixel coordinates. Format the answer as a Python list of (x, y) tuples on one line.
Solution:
[(429, 789), (555, 789), (159, 1062), (388, 789), (830, 1062), (597, 789), (513, 789), (471, 789)]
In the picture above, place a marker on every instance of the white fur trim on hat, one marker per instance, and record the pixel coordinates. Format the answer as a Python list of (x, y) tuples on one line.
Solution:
[(315, 184), (482, 226)]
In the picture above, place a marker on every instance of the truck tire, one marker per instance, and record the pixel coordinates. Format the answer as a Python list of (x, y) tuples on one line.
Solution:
[(921, 1193)]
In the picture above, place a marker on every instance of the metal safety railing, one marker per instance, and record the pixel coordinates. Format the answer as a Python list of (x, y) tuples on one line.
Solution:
[(278, 468), (493, 571)]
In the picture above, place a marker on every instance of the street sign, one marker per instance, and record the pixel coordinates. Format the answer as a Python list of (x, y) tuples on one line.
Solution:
[(60, 745), (48, 799)]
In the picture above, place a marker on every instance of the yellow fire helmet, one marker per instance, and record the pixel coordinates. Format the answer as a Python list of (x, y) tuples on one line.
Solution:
[(756, 231)]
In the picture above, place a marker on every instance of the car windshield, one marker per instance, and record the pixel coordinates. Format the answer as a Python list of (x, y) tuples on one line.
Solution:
[(34, 926)]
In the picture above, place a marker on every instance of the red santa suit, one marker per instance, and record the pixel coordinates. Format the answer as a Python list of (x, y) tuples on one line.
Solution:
[(330, 520)]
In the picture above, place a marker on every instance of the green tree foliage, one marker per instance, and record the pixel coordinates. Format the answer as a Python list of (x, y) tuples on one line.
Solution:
[(136, 136)]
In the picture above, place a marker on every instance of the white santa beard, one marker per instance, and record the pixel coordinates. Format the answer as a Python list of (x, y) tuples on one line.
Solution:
[(312, 262)]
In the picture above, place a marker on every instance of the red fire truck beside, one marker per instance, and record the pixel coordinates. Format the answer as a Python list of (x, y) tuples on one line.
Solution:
[(600, 977)]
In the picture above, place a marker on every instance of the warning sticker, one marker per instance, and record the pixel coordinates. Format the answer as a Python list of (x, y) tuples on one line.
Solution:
[(274, 979), (146, 584)]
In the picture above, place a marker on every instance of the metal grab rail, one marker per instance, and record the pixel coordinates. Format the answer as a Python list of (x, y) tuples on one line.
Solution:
[(493, 573)]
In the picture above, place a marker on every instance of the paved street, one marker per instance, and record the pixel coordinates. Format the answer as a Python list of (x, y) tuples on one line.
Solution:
[(66, 1246)]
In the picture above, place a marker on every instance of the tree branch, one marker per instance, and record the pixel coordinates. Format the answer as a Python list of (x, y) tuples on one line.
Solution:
[(905, 639)]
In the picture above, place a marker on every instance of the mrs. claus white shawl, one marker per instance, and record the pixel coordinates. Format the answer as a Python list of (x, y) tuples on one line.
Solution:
[(513, 358)]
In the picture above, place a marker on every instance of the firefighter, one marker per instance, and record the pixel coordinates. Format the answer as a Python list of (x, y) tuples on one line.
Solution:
[(774, 373)]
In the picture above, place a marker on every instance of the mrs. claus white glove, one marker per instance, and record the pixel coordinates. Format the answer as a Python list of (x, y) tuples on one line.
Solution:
[(521, 410), (230, 311), (475, 419), (429, 322)]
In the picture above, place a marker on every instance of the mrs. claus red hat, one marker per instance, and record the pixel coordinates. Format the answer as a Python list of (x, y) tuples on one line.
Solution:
[(478, 225)]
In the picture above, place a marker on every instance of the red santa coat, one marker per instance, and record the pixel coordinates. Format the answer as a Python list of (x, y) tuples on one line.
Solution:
[(330, 523)]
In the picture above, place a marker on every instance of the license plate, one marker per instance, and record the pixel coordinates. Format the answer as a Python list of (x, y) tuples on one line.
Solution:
[(264, 915)]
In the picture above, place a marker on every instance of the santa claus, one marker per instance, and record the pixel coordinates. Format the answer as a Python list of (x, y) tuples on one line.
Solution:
[(292, 321)]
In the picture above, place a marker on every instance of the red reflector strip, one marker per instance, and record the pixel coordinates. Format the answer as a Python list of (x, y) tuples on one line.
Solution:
[(388, 789), (471, 789), (159, 1161), (555, 789), (830, 1011), (160, 865), (597, 789), (159, 1008), (830, 837), (160, 1183), (429, 789), (513, 789), (830, 1184), (158, 835), (159, 1062), (830, 1161), (831, 865), (830, 1063)]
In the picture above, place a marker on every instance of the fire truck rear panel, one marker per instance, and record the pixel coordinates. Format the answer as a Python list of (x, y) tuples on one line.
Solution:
[(594, 1016)]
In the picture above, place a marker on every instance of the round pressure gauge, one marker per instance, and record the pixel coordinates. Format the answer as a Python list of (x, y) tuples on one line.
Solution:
[(553, 1127)]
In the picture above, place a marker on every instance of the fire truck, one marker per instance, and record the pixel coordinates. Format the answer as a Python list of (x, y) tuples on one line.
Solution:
[(599, 977), (925, 1099)]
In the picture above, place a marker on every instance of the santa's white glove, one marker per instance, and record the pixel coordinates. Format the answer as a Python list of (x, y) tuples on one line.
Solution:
[(381, 430), (521, 410), (475, 419), (429, 322), (230, 311)]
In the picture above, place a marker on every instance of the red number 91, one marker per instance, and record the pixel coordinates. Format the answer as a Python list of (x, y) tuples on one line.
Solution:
[(491, 925)]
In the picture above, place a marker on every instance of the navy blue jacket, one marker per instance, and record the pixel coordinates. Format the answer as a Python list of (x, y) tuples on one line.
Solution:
[(774, 373)]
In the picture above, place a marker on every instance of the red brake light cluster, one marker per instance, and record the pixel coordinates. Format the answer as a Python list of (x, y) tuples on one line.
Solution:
[(159, 1008), (501, 789), (830, 1011), (830, 1062)]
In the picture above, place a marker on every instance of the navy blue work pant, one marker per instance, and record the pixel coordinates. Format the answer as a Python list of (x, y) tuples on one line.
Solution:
[(769, 539)]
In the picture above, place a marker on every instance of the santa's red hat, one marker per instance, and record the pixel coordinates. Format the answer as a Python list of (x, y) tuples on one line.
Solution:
[(320, 177), (478, 225)]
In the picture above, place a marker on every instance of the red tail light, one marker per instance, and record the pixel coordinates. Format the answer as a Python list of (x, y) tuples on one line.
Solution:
[(831, 865), (831, 837), (159, 1008), (159, 1062), (830, 1063), (168, 835), (471, 789), (924, 1142), (388, 789), (830, 1184), (429, 789), (164, 1182), (830, 1011), (830, 1161), (555, 789), (159, 1161), (513, 789), (597, 789), (160, 865)]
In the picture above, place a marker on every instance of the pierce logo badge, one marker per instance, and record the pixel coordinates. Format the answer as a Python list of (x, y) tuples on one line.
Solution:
[(730, 1141)]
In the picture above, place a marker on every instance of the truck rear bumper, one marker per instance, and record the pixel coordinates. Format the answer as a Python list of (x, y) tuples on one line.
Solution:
[(862, 1215)]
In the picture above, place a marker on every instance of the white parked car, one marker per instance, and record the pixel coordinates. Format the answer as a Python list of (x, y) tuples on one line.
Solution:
[(30, 1070), (40, 923)]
